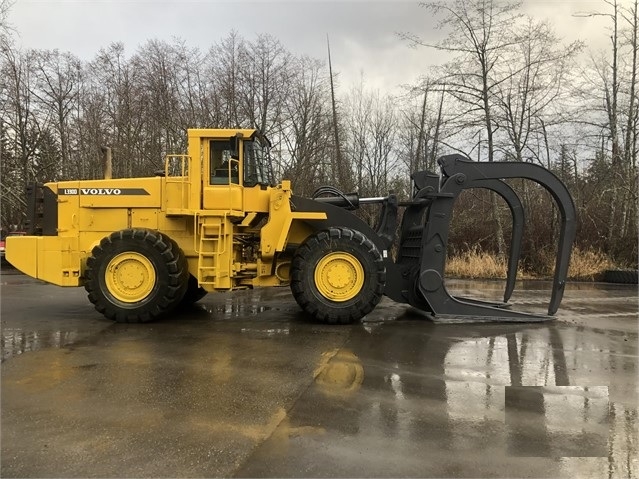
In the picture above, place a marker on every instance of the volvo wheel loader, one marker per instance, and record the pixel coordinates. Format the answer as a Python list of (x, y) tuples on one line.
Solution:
[(213, 220)]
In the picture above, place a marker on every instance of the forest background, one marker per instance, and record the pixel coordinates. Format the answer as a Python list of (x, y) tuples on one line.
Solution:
[(512, 90)]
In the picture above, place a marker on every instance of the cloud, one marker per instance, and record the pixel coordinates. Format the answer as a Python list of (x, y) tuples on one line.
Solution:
[(362, 34)]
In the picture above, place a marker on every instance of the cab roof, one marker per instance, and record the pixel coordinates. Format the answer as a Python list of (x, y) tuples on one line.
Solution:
[(220, 132)]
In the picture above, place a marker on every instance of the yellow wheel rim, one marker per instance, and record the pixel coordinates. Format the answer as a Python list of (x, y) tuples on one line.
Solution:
[(339, 276), (130, 277)]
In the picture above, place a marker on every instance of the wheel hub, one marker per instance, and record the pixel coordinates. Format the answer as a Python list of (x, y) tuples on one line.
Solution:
[(339, 276), (130, 277)]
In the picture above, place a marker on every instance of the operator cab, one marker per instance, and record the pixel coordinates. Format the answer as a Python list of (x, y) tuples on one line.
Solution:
[(225, 163), (235, 170), (227, 171)]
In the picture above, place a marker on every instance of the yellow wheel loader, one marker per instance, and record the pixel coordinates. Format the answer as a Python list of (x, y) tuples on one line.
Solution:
[(213, 220)]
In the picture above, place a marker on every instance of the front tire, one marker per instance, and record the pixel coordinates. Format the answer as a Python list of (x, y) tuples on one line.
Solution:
[(338, 276), (136, 275)]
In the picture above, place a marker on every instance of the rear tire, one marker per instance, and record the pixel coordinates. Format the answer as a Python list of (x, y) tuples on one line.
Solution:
[(194, 292), (136, 275), (338, 276)]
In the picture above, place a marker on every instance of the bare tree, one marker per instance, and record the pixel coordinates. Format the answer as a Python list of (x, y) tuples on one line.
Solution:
[(23, 129), (479, 36), (224, 71), (338, 165), (5, 27), (611, 117), (305, 128), (115, 112), (531, 97), (57, 88), (371, 139), (158, 69), (267, 67)]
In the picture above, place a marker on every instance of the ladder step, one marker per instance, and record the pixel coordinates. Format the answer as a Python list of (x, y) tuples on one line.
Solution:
[(213, 237)]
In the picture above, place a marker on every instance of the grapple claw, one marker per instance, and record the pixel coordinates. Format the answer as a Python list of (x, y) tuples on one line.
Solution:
[(421, 257)]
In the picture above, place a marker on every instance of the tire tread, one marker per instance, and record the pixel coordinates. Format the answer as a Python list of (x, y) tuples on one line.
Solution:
[(172, 286), (324, 310)]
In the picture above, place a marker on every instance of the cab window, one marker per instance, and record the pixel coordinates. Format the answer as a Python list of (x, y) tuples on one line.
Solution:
[(224, 169), (257, 163)]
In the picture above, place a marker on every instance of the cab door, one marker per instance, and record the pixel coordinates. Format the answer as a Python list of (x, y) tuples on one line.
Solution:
[(222, 176)]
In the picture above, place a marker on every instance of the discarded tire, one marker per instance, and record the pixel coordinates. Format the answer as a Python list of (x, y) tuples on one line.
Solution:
[(625, 276)]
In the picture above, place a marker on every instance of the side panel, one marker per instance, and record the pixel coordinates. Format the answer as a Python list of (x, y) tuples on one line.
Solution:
[(182, 230), (223, 198), (101, 219), (68, 207), (119, 193), (144, 218), (59, 260), (256, 199)]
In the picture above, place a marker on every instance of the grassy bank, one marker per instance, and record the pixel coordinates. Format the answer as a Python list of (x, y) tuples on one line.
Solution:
[(585, 265)]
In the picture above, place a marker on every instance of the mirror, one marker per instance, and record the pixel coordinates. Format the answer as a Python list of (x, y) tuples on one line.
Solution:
[(235, 145)]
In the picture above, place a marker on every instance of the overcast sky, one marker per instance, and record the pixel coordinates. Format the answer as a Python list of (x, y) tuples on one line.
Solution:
[(363, 35)]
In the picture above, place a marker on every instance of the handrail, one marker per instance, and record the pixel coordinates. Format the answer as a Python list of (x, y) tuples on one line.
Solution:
[(183, 178)]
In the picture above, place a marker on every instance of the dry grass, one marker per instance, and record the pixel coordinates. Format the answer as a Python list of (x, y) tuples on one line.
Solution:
[(478, 264), (586, 265)]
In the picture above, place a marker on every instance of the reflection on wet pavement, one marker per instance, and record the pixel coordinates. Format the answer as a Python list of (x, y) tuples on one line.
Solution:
[(16, 341), (244, 385), (435, 399), (571, 420)]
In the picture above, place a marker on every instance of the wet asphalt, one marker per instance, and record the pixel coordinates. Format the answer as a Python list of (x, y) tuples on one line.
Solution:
[(243, 385)]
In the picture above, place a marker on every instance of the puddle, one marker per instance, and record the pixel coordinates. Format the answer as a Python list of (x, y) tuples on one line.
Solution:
[(14, 342)]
